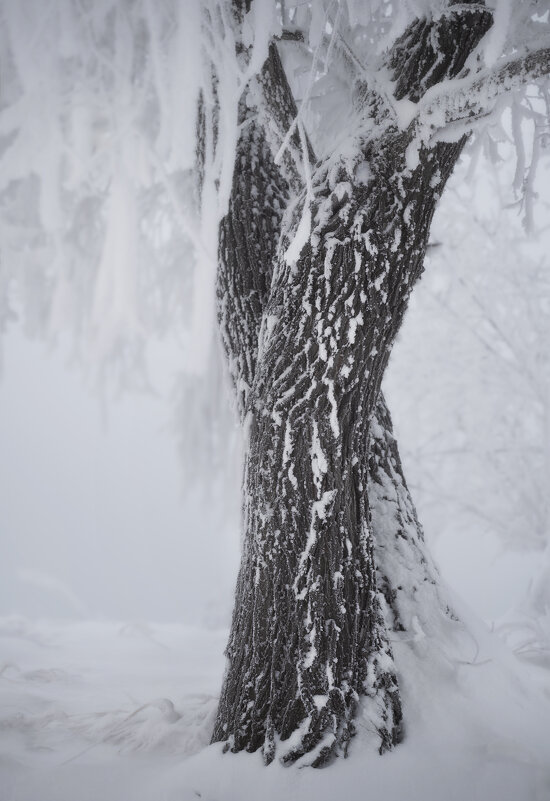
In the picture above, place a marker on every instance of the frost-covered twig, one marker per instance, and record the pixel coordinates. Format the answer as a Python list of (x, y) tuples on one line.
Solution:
[(465, 100)]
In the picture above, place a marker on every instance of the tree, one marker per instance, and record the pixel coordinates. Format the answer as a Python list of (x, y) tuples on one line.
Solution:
[(310, 301), (322, 211), (480, 444)]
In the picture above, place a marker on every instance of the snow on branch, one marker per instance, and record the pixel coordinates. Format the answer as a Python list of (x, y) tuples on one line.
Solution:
[(459, 102)]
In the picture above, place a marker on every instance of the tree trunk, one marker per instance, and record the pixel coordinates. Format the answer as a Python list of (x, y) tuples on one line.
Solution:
[(329, 523)]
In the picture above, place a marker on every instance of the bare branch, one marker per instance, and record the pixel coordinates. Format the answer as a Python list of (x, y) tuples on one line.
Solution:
[(279, 115)]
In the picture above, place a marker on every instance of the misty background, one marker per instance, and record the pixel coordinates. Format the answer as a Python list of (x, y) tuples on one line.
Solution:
[(119, 457), (104, 517)]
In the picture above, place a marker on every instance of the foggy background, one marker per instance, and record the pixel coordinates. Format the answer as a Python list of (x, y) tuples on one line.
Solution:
[(96, 519), (119, 498), (99, 517)]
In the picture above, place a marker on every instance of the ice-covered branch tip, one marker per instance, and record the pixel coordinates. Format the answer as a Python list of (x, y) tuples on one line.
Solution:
[(466, 99)]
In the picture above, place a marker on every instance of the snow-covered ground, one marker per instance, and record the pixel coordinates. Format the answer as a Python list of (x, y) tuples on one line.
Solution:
[(102, 710), (123, 712)]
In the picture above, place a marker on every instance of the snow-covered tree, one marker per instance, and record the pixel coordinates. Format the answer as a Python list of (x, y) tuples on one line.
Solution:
[(474, 414), (312, 142), (328, 518)]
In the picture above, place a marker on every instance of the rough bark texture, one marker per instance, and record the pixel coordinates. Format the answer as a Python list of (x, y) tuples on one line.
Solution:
[(307, 341), (249, 234)]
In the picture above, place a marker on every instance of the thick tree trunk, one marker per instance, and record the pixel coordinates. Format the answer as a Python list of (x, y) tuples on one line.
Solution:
[(308, 637), (330, 529)]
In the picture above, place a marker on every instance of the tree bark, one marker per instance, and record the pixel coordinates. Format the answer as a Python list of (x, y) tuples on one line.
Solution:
[(329, 523)]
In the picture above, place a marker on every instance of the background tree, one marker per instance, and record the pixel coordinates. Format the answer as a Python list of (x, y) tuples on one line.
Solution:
[(491, 353)]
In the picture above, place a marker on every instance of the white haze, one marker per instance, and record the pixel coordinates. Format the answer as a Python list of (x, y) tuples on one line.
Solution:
[(96, 521), (133, 535)]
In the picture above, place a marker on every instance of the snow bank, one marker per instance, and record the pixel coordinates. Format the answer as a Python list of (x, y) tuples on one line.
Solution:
[(110, 711)]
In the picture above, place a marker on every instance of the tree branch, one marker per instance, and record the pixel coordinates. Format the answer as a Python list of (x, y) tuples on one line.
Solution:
[(279, 115), (465, 100)]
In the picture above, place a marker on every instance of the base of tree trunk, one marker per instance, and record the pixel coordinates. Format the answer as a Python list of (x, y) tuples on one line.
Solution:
[(292, 693)]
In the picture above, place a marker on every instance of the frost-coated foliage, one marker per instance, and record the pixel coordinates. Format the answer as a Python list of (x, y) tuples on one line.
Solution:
[(488, 418), (479, 459), (100, 227), (101, 230)]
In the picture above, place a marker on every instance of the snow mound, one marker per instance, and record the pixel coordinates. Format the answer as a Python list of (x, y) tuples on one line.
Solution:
[(125, 711)]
